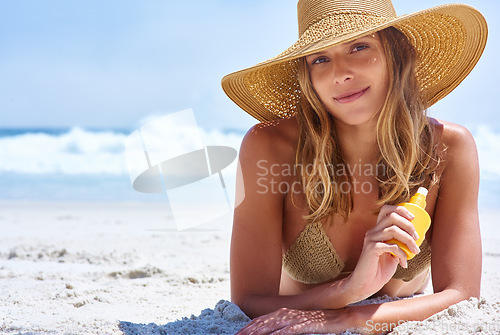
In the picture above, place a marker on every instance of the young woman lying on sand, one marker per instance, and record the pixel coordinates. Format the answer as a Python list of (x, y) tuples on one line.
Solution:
[(346, 139)]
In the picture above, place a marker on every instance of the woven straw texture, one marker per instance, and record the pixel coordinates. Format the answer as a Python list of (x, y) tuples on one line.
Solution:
[(449, 41), (312, 259)]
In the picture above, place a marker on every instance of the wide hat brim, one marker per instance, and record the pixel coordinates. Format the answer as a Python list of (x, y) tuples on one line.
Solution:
[(448, 39)]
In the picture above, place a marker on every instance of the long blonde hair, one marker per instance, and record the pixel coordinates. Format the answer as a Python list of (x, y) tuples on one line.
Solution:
[(405, 139)]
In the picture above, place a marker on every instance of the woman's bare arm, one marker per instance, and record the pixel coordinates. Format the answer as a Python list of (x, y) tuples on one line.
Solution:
[(256, 244), (456, 257), (456, 241)]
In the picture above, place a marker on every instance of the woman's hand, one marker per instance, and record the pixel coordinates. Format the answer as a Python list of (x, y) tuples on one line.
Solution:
[(378, 261), (293, 321)]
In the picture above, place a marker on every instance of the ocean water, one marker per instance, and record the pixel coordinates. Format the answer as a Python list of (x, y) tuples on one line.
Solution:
[(77, 164), (63, 165)]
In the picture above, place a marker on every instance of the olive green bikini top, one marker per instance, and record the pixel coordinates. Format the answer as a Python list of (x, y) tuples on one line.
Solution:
[(312, 259)]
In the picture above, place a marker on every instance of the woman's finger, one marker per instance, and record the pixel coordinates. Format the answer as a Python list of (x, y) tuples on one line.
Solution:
[(393, 232), (270, 323), (398, 253), (310, 322), (388, 209), (396, 219)]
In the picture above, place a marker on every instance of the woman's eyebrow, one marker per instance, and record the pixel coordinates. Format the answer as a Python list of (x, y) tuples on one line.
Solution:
[(345, 43), (353, 41), (314, 54), (359, 39)]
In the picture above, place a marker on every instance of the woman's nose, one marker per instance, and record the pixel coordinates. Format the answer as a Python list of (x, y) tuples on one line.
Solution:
[(341, 72)]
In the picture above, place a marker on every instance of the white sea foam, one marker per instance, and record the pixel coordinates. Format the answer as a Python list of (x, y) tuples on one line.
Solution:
[(80, 151), (76, 152)]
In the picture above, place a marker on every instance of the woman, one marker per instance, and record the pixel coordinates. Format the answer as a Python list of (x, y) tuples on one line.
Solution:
[(346, 140)]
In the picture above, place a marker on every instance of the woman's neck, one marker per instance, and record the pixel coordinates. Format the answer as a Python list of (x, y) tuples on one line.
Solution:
[(358, 143)]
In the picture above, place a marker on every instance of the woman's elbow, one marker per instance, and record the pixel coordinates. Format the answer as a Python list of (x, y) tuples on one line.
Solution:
[(243, 302), (462, 293), (474, 292), (237, 300), (471, 289)]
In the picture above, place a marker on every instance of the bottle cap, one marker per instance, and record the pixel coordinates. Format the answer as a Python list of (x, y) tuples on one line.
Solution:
[(423, 191)]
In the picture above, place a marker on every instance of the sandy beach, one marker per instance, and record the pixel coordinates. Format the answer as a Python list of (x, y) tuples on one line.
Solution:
[(123, 268)]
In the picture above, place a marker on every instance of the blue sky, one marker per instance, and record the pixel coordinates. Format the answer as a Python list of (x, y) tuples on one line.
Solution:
[(94, 63)]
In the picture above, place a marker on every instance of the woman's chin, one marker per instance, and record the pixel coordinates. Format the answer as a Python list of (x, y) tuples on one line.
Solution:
[(356, 121)]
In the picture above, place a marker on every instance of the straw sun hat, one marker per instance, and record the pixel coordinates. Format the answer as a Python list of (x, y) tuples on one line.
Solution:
[(449, 41)]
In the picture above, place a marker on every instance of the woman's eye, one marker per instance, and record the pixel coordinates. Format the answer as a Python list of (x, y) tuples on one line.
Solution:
[(359, 48), (319, 60)]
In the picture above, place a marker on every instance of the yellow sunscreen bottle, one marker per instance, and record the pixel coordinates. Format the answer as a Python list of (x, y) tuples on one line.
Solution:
[(421, 222)]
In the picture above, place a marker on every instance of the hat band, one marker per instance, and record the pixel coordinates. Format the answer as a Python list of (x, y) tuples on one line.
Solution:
[(334, 26)]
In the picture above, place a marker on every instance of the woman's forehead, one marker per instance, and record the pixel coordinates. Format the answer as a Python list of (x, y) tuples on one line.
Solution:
[(371, 36)]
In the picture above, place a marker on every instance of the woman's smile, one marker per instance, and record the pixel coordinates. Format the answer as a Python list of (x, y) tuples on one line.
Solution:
[(350, 96)]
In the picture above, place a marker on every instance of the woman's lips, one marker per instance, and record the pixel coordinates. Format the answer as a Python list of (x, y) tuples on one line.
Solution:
[(350, 96)]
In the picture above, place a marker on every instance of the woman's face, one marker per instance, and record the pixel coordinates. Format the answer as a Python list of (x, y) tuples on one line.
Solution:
[(351, 79)]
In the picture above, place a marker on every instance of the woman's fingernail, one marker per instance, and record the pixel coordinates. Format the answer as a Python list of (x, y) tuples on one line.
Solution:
[(415, 236), (410, 215)]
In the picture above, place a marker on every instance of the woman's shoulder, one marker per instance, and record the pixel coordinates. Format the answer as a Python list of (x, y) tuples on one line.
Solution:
[(456, 143), (276, 139), (452, 135)]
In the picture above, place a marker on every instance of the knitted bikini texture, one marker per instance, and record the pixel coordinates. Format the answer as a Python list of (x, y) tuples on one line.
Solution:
[(312, 259)]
